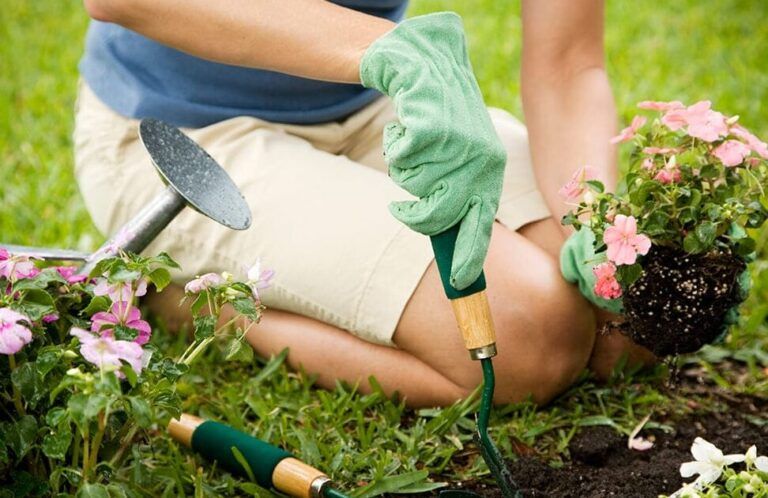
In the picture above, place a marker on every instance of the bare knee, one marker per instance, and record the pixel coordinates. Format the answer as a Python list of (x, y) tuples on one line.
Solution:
[(549, 345)]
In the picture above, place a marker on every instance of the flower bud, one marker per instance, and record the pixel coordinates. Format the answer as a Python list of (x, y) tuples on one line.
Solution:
[(227, 276), (69, 354)]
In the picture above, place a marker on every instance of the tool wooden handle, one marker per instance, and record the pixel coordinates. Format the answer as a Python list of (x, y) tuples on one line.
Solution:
[(295, 478), (470, 305)]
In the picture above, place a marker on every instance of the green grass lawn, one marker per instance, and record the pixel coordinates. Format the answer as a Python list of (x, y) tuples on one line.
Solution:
[(686, 50)]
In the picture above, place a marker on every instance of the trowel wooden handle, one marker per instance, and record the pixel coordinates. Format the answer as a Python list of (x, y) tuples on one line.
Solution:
[(470, 305), (271, 466)]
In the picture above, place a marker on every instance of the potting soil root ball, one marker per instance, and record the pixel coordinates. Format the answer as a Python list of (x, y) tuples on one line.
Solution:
[(680, 302)]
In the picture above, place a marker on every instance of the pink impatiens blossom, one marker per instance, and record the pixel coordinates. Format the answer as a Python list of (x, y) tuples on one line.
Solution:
[(17, 266), (203, 282), (653, 105), (630, 131), (660, 150), (14, 335), (623, 241), (758, 146), (258, 278), (670, 173), (731, 152), (704, 123), (575, 187), (606, 285), (121, 313), (69, 273), (647, 163), (50, 318), (120, 291), (107, 352)]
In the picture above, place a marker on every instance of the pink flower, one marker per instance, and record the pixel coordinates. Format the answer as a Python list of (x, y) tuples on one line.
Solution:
[(629, 132), (623, 241), (13, 334), (17, 267), (606, 285), (259, 279), (203, 282), (647, 163), (4, 254), (50, 318), (670, 173), (120, 291), (757, 145), (121, 313), (108, 353), (731, 152), (575, 187), (704, 123), (653, 105), (674, 119), (69, 273)]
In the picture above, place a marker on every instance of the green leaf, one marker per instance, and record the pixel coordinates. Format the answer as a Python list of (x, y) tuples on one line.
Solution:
[(124, 333), (22, 435), (56, 416), (97, 304), (47, 358), (706, 232), (392, 484), (141, 411), (56, 444), (628, 274), (29, 382), (736, 231), (160, 277), (90, 490), (76, 409), (246, 307), (692, 244), (95, 404), (596, 185), (199, 302), (166, 260), (124, 275), (746, 247), (243, 462), (239, 351), (204, 326)]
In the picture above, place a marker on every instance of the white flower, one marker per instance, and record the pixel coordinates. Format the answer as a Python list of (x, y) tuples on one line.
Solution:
[(709, 462), (752, 460)]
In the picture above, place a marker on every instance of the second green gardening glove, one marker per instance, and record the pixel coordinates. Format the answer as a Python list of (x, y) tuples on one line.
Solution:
[(444, 148)]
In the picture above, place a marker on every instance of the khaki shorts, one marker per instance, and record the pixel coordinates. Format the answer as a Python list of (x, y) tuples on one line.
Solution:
[(318, 194)]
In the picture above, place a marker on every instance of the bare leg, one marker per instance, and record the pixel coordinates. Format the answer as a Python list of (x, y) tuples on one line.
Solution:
[(545, 335)]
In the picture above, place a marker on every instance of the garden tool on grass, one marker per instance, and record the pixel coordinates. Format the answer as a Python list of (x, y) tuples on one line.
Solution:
[(473, 315), (193, 178), (242, 454)]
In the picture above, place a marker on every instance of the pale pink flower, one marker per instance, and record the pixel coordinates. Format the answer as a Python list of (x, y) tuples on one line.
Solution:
[(121, 313), (575, 187), (108, 353), (757, 145), (203, 282), (14, 334), (18, 266), (69, 273), (731, 152), (623, 241), (120, 291), (606, 285), (258, 278), (704, 123), (653, 105), (675, 119), (670, 173), (50, 318), (647, 163), (630, 131)]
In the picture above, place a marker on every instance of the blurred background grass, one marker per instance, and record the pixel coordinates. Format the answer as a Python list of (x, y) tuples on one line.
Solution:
[(684, 50)]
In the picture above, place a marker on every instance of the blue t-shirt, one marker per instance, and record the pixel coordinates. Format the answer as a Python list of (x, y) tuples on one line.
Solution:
[(141, 78)]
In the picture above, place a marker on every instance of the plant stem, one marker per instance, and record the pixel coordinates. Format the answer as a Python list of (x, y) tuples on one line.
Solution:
[(126, 441), (96, 443), (16, 394), (86, 454)]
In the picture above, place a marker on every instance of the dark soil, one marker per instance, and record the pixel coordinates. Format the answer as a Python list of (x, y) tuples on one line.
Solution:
[(679, 303), (602, 466)]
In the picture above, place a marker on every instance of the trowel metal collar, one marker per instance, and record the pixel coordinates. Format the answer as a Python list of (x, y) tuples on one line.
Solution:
[(194, 174)]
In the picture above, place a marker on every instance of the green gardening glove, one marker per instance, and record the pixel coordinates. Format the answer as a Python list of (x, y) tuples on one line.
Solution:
[(444, 148), (577, 259)]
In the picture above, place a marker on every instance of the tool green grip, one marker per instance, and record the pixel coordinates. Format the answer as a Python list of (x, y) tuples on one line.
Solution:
[(443, 245), (215, 441)]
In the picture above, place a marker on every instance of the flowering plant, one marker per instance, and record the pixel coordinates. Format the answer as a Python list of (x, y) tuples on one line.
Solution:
[(81, 382), (716, 476), (693, 185)]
